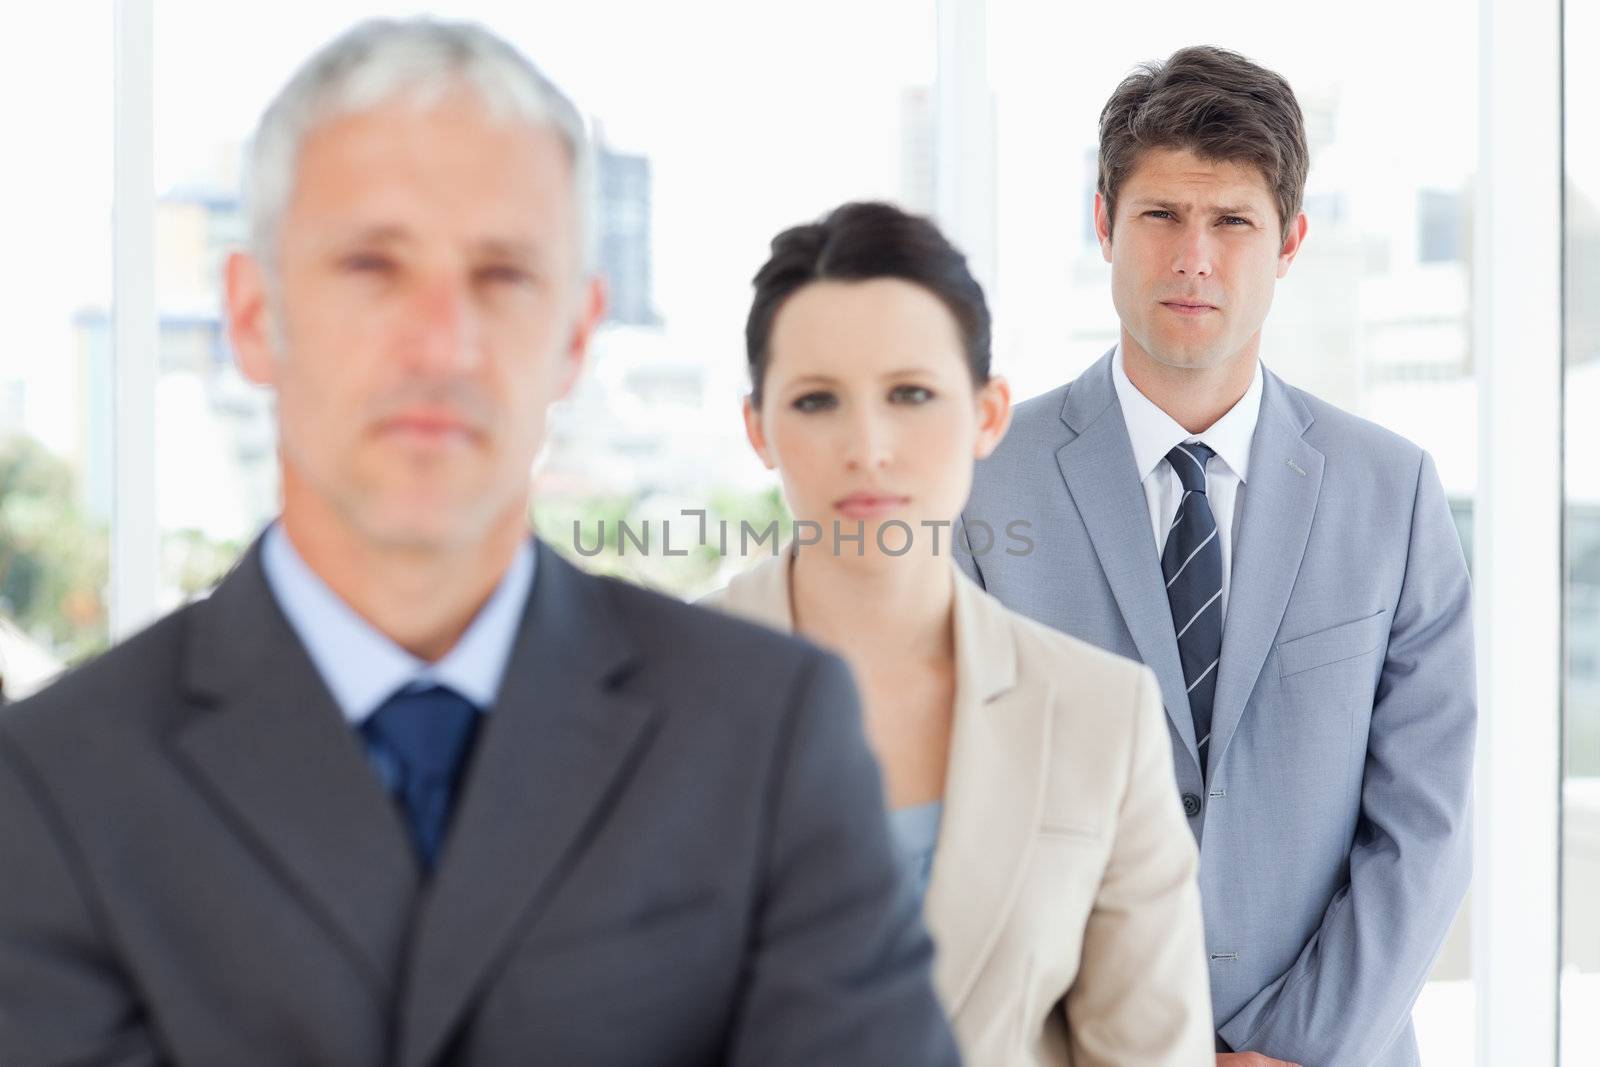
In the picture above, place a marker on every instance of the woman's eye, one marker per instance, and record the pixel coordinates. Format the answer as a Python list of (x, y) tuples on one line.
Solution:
[(813, 402), (910, 394)]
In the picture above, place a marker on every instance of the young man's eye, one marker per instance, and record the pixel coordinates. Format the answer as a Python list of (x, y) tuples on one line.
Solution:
[(910, 394), (1158, 214), (811, 402), (1234, 220)]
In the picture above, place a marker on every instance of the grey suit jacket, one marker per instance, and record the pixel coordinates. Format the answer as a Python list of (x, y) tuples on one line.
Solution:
[(1333, 823), (200, 867)]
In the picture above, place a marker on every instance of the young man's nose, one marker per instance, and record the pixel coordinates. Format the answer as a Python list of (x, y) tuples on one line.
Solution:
[(1194, 253)]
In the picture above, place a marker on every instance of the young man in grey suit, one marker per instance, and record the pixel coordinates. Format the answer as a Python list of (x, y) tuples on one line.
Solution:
[(1289, 571), (407, 788)]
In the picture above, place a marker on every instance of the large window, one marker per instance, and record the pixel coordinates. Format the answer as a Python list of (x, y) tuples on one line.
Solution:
[(720, 123), (706, 151), (55, 403)]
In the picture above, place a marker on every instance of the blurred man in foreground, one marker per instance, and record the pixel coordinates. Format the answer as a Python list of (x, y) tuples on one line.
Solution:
[(407, 788)]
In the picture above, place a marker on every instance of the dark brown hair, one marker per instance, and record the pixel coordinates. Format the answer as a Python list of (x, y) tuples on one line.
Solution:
[(856, 242), (1216, 104)]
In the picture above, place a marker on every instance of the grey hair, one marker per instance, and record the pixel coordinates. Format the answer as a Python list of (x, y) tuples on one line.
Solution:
[(420, 60)]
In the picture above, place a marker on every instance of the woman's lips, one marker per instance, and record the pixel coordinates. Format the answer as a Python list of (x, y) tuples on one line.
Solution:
[(870, 505)]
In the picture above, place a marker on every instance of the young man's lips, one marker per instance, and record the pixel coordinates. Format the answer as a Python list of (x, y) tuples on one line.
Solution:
[(1184, 307)]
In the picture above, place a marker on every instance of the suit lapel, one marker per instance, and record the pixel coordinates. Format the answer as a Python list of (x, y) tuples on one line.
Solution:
[(993, 795), (275, 755), (994, 789), (552, 755), (1103, 478), (1274, 525)]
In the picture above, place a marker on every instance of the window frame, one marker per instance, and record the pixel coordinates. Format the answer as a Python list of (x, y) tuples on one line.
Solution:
[(1517, 338)]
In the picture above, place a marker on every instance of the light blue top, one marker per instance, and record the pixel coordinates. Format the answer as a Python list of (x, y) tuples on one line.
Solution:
[(361, 667), (916, 833)]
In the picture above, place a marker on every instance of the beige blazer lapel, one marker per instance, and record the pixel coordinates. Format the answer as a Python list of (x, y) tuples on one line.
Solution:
[(994, 793), (760, 594), (995, 785)]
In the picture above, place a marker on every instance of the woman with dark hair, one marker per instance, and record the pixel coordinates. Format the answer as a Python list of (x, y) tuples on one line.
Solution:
[(1029, 775)]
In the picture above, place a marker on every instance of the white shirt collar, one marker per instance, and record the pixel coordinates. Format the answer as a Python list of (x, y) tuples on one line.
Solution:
[(1154, 433), (361, 666)]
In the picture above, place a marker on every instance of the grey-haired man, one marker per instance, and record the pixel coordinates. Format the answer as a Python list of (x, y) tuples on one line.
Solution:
[(408, 789)]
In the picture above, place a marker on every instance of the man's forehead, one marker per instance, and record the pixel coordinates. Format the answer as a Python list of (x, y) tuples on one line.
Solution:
[(1168, 173), (456, 146), (397, 174)]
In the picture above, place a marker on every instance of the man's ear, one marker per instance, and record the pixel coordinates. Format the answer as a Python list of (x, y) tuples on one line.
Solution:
[(250, 325), (755, 433), (591, 311), (1291, 243), (1102, 225)]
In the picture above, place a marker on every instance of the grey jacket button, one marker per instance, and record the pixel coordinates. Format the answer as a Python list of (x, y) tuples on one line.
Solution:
[(1191, 805)]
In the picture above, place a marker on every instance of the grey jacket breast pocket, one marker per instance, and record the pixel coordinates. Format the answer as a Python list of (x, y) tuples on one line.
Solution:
[(1345, 641)]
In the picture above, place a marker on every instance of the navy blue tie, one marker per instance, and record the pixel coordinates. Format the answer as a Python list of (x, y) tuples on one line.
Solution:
[(419, 739), (1192, 565)]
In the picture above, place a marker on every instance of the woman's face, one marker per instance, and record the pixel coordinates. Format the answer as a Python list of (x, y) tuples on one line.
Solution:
[(869, 413)]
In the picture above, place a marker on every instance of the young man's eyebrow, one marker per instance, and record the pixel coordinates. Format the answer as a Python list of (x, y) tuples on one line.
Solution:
[(1173, 205)]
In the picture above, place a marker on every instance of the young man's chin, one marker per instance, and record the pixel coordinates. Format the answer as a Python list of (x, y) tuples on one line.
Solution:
[(1181, 358)]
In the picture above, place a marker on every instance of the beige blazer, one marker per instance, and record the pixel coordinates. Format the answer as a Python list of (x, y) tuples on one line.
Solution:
[(1063, 898)]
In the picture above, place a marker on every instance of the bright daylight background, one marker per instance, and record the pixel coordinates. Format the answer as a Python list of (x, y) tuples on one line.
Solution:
[(719, 124)]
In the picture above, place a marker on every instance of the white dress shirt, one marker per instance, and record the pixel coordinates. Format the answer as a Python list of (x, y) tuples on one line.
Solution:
[(1154, 433)]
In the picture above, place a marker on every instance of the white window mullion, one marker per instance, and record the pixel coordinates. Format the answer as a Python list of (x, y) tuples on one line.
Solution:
[(135, 543), (1517, 344), (963, 135)]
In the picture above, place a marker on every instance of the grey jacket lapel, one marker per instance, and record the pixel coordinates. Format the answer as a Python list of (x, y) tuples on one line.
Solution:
[(1103, 478), (271, 748), (552, 756), (1274, 525)]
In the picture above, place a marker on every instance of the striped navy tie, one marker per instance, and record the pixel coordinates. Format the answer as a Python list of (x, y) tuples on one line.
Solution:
[(1192, 564)]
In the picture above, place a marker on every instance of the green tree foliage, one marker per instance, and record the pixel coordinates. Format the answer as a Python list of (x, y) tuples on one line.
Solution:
[(588, 531), (52, 556)]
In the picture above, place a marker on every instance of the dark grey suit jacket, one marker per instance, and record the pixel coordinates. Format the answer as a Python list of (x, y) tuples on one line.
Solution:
[(670, 849)]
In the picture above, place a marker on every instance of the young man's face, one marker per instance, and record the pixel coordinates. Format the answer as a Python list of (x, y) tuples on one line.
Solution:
[(429, 306), (1195, 250)]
